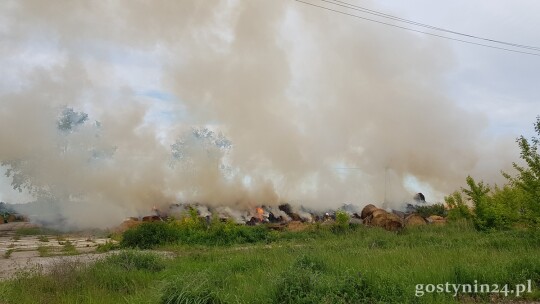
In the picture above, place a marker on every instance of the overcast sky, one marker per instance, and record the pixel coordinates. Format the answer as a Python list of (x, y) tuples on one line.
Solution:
[(501, 86)]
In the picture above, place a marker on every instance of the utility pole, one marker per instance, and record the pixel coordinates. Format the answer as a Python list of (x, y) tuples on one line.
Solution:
[(385, 203)]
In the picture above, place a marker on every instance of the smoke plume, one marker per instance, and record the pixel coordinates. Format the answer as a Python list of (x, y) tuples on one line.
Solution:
[(228, 103)]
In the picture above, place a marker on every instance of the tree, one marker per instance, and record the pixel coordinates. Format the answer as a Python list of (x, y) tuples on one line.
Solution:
[(518, 202), (20, 170), (69, 119), (457, 208), (200, 143), (528, 177)]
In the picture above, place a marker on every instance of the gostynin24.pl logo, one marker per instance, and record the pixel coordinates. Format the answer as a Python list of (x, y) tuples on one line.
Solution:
[(476, 288)]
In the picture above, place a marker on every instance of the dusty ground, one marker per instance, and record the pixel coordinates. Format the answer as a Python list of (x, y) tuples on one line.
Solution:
[(23, 252)]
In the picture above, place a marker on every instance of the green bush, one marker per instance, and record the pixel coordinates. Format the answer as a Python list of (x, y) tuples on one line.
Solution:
[(230, 233), (515, 204), (149, 235), (342, 221), (528, 177), (194, 230), (497, 208), (458, 210)]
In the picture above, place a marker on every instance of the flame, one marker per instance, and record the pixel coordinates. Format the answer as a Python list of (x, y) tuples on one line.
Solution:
[(260, 213)]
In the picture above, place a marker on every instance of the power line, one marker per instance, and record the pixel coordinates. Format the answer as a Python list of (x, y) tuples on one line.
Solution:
[(417, 31), (399, 19), (347, 168)]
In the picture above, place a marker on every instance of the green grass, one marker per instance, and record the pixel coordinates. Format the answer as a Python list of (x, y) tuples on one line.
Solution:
[(44, 251), (26, 231), (364, 265), (43, 238), (108, 246), (69, 249), (8, 253), (193, 231)]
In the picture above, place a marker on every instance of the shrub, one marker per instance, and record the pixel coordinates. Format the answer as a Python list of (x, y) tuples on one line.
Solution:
[(458, 210), (489, 213), (513, 204), (193, 230), (231, 233), (149, 235), (342, 221), (528, 178)]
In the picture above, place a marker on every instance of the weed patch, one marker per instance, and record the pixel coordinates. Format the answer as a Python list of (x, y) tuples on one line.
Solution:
[(133, 260)]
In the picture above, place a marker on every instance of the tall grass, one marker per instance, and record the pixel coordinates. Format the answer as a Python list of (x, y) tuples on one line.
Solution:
[(365, 265), (110, 280), (195, 231)]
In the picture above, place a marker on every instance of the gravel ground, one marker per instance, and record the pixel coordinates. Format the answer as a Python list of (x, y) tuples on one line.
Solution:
[(21, 252)]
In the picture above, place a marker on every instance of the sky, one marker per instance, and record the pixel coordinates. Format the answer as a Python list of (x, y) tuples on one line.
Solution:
[(299, 90), (501, 84)]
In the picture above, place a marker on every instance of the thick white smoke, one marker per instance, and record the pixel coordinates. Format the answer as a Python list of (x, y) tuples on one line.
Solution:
[(297, 91)]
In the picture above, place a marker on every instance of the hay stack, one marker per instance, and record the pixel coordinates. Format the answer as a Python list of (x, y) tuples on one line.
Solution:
[(367, 211), (11, 218), (383, 219), (415, 220), (436, 220), (127, 224), (297, 226)]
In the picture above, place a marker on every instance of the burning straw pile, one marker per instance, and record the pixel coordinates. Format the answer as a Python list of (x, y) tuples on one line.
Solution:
[(198, 224)]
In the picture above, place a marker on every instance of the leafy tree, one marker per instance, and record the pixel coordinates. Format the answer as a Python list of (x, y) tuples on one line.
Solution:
[(510, 201), (477, 193), (199, 140), (200, 146), (496, 208), (457, 208), (19, 170), (528, 177), (516, 202), (69, 119)]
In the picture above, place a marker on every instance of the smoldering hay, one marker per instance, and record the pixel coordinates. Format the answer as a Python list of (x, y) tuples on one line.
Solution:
[(296, 91)]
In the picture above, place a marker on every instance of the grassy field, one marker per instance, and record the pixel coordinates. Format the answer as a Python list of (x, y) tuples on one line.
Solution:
[(363, 265)]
